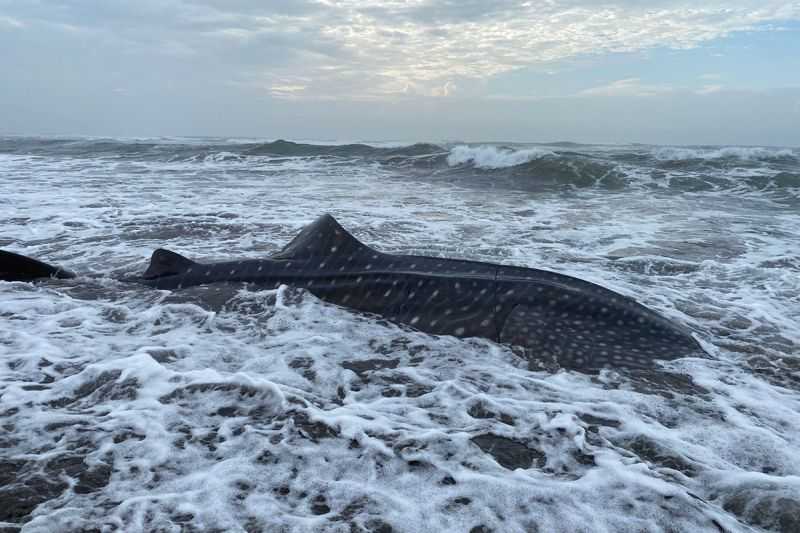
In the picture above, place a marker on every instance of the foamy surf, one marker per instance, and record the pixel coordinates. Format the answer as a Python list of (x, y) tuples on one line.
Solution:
[(493, 157), (239, 409)]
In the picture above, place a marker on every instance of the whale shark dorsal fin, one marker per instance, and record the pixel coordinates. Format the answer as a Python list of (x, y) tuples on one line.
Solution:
[(322, 238), (166, 263)]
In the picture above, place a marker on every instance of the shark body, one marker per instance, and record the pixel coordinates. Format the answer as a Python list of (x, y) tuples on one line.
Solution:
[(555, 318)]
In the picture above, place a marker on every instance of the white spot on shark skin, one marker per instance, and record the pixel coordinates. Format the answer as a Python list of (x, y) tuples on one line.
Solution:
[(485, 323), (411, 295), (459, 331), (387, 293), (322, 265), (434, 322), (457, 285), (232, 272), (420, 283), (359, 279), (374, 256), (189, 270), (333, 249), (413, 266), (208, 272), (414, 320), (448, 311), (346, 297), (510, 292), (368, 266), (260, 268)]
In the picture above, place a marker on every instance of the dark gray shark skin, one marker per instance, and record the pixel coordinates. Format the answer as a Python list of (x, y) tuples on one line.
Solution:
[(554, 318), (15, 267)]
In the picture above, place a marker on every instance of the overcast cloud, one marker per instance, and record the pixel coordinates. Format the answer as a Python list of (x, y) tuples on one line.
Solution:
[(418, 69)]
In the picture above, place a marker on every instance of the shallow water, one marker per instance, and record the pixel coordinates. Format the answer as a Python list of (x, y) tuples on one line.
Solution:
[(230, 409)]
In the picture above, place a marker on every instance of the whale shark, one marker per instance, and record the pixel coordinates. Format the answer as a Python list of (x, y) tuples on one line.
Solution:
[(551, 318)]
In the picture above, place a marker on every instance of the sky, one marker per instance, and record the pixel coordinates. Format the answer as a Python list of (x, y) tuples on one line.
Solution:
[(653, 71)]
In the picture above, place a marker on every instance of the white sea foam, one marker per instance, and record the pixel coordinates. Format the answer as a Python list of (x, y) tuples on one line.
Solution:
[(671, 153), (493, 157)]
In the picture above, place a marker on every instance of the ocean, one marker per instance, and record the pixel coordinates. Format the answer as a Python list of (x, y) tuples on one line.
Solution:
[(128, 409)]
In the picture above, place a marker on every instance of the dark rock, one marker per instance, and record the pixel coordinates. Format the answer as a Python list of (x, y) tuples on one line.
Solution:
[(369, 365), (509, 453), (21, 493), (480, 410), (93, 479), (312, 430), (86, 389), (320, 506), (69, 465), (378, 526), (597, 421), (770, 509), (227, 411), (656, 454)]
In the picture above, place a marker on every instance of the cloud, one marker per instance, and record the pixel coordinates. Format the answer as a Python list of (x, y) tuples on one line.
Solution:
[(627, 87), (10, 22), (373, 49), (709, 89)]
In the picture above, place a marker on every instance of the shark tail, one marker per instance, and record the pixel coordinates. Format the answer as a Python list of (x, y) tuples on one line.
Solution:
[(16, 267)]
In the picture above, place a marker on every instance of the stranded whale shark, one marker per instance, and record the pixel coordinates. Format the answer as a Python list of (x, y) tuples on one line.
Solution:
[(554, 318)]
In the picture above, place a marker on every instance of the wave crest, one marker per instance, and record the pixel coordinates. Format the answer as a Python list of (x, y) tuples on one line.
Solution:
[(746, 153), (493, 157)]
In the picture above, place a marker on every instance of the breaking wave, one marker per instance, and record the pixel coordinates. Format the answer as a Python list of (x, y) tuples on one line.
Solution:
[(529, 167), (746, 153), (493, 157)]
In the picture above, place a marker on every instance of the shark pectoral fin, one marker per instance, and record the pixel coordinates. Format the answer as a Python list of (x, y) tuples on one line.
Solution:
[(551, 338), (15, 267), (589, 343), (166, 263), (526, 327)]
